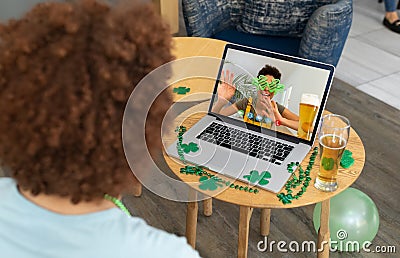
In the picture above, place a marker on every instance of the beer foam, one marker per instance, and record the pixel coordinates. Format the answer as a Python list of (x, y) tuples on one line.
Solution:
[(310, 99)]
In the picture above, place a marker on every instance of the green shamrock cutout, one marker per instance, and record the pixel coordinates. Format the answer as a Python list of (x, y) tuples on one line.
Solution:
[(262, 178), (191, 147), (328, 163), (181, 90), (208, 183), (347, 159)]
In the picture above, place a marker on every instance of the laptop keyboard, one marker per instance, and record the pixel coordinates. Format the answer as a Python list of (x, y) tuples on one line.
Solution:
[(246, 142)]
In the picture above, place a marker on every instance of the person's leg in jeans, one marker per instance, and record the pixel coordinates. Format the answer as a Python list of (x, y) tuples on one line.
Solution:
[(391, 20)]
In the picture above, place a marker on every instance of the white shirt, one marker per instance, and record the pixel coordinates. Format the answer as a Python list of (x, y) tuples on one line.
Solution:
[(27, 230)]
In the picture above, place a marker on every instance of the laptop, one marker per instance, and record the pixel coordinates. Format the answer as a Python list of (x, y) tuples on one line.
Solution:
[(241, 132)]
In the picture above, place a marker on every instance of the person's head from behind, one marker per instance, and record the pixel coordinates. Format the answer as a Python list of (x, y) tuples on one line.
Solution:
[(66, 72), (271, 73)]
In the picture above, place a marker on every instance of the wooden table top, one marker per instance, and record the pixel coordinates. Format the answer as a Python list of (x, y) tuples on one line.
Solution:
[(200, 88), (266, 199)]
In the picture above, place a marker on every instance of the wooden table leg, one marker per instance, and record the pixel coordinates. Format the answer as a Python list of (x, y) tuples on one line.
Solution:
[(323, 233), (191, 219), (265, 221), (244, 224), (207, 207), (137, 187)]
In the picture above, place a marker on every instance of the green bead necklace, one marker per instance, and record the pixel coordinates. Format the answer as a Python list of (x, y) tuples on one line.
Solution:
[(304, 179), (117, 203)]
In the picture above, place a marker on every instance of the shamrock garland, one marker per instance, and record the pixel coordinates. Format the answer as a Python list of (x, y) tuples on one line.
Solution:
[(208, 183), (181, 90), (207, 180), (254, 177), (304, 178), (180, 130), (262, 83), (212, 182)]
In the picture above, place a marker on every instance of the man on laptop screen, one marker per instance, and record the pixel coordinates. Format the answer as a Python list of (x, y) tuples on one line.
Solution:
[(259, 109)]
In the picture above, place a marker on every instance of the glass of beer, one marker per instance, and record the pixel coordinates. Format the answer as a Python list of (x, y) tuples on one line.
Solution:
[(333, 137), (308, 109)]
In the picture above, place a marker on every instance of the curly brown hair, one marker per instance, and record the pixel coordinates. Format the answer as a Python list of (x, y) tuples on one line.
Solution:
[(270, 70), (66, 72)]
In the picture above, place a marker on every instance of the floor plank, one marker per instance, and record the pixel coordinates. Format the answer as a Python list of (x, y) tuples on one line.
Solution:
[(389, 84)]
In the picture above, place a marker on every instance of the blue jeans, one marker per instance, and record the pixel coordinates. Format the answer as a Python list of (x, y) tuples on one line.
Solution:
[(390, 5)]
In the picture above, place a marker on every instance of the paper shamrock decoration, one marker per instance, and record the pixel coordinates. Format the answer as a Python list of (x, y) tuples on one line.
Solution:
[(347, 159), (262, 178), (181, 90), (328, 163), (208, 183), (262, 83), (191, 147)]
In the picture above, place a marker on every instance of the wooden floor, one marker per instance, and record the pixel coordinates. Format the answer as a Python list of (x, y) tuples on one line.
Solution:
[(378, 126)]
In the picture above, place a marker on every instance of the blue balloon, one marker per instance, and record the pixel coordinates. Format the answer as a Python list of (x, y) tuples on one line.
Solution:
[(353, 220)]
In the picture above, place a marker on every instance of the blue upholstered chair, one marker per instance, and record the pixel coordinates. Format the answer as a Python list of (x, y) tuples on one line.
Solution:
[(312, 29)]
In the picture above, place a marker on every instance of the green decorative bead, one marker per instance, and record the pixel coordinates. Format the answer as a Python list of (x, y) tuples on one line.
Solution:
[(251, 190), (241, 188), (256, 191), (232, 186)]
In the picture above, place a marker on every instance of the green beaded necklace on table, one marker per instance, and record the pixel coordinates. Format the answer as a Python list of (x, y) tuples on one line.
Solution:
[(303, 179)]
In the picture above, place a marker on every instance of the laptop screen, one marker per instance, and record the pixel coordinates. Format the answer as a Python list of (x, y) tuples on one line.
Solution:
[(283, 94)]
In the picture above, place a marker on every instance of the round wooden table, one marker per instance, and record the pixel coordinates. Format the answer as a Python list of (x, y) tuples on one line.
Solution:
[(264, 199)]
